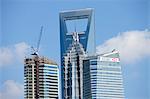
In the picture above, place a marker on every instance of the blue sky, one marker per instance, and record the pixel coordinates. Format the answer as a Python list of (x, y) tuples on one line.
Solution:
[(21, 21)]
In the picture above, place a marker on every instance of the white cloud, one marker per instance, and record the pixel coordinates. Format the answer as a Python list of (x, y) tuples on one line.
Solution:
[(132, 45), (11, 90), (6, 56), (21, 49), (13, 53)]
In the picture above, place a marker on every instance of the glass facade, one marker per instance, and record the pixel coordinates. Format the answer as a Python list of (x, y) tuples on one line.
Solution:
[(47, 78), (86, 80), (73, 70), (106, 76), (85, 75), (66, 37), (67, 17)]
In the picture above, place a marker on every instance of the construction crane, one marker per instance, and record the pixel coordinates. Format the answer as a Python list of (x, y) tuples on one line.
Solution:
[(36, 51), (37, 62)]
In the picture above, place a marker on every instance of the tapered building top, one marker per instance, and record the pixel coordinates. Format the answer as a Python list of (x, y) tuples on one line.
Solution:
[(84, 38)]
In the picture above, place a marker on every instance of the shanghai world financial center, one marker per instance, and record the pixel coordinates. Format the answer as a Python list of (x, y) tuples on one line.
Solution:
[(85, 74)]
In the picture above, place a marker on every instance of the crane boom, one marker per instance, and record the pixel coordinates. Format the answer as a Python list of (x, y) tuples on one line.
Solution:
[(36, 50), (39, 40)]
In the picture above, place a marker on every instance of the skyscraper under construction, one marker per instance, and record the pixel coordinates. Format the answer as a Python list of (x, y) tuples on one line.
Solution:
[(40, 78)]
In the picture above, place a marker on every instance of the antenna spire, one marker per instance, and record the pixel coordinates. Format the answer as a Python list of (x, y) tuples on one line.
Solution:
[(75, 27), (75, 37)]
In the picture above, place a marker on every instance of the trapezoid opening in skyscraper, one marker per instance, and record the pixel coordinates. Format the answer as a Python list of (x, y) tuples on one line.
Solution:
[(85, 32), (85, 74)]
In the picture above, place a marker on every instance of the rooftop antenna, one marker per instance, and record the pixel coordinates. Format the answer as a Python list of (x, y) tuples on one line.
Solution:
[(75, 37), (75, 28)]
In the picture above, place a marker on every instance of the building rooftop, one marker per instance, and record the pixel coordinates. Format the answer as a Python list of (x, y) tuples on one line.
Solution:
[(42, 59), (77, 10)]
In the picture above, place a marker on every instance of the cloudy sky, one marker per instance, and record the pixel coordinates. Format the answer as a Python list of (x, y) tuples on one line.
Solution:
[(120, 24)]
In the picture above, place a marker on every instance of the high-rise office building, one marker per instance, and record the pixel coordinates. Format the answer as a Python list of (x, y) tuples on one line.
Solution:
[(73, 70), (103, 77), (85, 75), (40, 78), (86, 35)]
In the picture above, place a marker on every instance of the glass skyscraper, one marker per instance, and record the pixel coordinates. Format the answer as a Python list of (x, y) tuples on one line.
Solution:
[(103, 76), (73, 70), (85, 75), (86, 36), (40, 82)]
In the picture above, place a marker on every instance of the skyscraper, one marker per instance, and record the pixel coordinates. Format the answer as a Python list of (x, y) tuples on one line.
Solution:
[(66, 35), (104, 76), (73, 74), (85, 75), (40, 82)]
